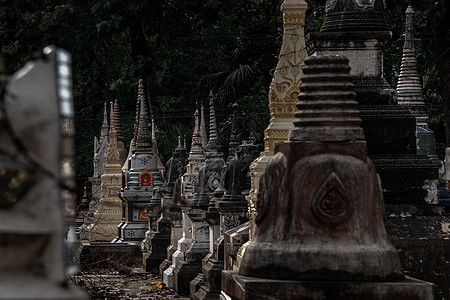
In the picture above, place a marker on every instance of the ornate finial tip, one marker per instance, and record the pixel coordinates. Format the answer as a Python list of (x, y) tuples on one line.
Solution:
[(141, 85), (196, 112), (410, 9), (211, 93)]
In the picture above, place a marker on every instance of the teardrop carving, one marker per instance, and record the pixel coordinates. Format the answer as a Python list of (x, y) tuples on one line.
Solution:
[(331, 203)]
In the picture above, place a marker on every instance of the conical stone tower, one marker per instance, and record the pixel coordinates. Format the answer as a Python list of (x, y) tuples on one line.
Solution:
[(409, 89), (320, 223), (109, 211), (142, 176)]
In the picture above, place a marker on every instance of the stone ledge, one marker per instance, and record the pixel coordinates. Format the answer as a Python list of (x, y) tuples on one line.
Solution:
[(239, 287)]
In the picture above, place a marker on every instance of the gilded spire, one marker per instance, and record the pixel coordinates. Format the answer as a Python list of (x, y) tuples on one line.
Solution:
[(284, 89), (409, 90), (112, 155)]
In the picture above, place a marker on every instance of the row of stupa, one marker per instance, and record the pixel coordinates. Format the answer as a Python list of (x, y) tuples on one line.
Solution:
[(196, 223)]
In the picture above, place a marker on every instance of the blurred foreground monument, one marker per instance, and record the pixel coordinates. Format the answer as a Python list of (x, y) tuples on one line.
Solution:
[(36, 175), (320, 231)]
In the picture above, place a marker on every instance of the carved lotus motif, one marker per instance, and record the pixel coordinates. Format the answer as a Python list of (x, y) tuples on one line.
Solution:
[(331, 203)]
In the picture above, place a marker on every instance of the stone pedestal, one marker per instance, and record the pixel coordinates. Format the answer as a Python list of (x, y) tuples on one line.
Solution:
[(182, 245), (158, 243), (240, 287)]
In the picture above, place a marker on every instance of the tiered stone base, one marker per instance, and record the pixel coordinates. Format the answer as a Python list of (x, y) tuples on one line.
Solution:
[(237, 287)]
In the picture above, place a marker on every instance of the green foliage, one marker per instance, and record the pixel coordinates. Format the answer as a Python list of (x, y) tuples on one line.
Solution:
[(182, 49)]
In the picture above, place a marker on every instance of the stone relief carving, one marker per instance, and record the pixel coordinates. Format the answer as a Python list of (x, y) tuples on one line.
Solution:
[(331, 203)]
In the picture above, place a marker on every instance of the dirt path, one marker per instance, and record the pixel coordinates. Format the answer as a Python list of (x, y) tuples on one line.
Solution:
[(134, 285)]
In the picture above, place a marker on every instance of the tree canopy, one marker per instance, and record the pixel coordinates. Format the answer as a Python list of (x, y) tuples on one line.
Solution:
[(185, 48)]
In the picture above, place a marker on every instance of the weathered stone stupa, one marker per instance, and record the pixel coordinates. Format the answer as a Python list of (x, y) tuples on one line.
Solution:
[(390, 129), (320, 223), (109, 211), (233, 212), (175, 167), (206, 182), (143, 175), (99, 161), (409, 89), (118, 126), (184, 196)]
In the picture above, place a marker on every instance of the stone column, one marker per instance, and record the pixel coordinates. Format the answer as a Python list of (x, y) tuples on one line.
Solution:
[(320, 215), (36, 175)]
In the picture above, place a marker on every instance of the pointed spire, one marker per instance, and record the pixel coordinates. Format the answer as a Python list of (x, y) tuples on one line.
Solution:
[(235, 140), (117, 123), (104, 132), (143, 138), (203, 127), (136, 120), (112, 155), (213, 145), (409, 89), (153, 130), (118, 127), (409, 28), (196, 146)]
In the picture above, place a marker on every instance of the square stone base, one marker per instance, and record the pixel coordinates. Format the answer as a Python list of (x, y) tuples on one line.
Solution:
[(235, 286)]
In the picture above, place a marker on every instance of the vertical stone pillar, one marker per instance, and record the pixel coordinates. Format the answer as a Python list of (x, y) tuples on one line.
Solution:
[(36, 175), (320, 215)]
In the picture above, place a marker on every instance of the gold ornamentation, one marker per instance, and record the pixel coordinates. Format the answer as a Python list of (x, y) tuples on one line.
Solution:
[(294, 19)]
